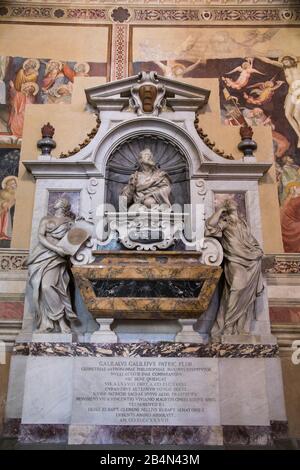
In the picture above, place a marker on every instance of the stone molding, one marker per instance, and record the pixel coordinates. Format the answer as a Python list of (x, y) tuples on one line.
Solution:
[(145, 349), (285, 263), (159, 12), (156, 3), (285, 333), (9, 330)]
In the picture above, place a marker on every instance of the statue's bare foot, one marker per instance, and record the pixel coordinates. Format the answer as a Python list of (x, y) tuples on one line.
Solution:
[(64, 327), (72, 315)]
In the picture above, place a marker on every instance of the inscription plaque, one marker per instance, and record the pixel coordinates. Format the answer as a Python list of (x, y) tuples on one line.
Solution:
[(146, 391)]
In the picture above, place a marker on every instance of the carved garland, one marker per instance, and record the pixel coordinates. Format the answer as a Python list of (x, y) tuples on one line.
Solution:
[(86, 141), (209, 143), (13, 262), (285, 267)]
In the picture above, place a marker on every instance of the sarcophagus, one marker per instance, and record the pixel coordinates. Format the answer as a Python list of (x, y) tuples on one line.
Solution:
[(147, 285)]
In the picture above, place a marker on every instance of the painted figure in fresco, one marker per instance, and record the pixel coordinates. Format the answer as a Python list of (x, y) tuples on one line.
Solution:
[(18, 102), (290, 218), (253, 37), (60, 94), (246, 70), (256, 117), (174, 69), (57, 81), (242, 269), (81, 69), (57, 84), (264, 92), (28, 73), (233, 116), (149, 187), (291, 68), (3, 66), (22, 90), (7, 201), (289, 173), (48, 271)]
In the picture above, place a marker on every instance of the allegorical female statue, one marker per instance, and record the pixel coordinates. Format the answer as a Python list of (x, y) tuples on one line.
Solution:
[(48, 271), (149, 187), (242, 269)]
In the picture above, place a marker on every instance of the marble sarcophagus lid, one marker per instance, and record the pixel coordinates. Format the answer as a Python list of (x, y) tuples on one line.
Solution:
[(152, 285)]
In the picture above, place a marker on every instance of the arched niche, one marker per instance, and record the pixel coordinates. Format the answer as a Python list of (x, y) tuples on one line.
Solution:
[(168, 156), (118, 133)]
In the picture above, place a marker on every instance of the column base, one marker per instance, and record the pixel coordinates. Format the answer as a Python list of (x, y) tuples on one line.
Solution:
[(105, 333), (188, 334)]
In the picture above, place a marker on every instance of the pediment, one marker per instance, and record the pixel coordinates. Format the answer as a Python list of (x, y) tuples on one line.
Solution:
[(147, 93)]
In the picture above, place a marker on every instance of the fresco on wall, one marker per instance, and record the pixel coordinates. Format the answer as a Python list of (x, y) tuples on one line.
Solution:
[(192, 44), (9, 165), (271, 99), (43, 81), (259, 77)]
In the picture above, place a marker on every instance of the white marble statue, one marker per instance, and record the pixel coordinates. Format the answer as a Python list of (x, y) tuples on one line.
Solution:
[(242, 269), (149, 187), (48, 271)]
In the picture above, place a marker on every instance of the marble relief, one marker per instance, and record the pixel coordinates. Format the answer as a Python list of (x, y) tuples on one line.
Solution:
[(237, 197), (72, 196)]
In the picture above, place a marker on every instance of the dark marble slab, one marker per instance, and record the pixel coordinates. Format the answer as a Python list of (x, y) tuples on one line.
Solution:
[(149, 288), (226, 436), (187, 435), (146, 435), (279, 430), (144, 349), (43, 433), (21, 349), (247, 435), (52, 349), (11, 428)]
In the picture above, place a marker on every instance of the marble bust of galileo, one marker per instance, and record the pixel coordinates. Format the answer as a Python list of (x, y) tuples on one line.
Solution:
[(149, 187)]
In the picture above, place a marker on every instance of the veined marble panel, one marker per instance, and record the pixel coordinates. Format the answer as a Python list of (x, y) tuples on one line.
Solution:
[(15, 391), (243, 392), (275, 389), (48, 390), (146, 349)]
